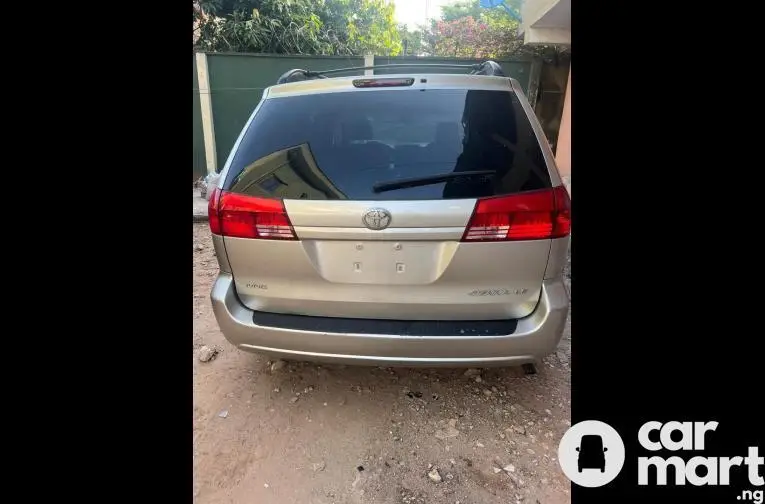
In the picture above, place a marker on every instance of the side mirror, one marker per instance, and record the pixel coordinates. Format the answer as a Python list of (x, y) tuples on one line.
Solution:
[(577, 448), (605, 449)]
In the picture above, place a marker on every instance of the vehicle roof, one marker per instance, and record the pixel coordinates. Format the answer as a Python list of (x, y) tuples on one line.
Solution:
[(421, 81)]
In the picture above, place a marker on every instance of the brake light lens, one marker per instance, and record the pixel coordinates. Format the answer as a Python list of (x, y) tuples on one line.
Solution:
[(383, 82), (239, 216), (533, 215)]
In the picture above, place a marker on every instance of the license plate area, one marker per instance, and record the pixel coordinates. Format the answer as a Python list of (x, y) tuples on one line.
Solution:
[(385, 263)]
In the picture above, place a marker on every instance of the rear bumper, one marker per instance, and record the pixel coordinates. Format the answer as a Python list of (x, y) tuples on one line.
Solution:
[(535, 336)]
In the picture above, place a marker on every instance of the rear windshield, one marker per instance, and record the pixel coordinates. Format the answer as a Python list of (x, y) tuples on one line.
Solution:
[(389, 145)]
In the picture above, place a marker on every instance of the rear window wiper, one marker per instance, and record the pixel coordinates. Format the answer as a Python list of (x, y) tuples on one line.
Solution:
[(430, 179)]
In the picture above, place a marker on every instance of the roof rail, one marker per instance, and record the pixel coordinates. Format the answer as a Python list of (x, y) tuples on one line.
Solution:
[(490, 68)]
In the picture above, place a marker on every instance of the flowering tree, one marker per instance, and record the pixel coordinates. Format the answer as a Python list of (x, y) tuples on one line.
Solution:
[(467, 37), (465, 30)]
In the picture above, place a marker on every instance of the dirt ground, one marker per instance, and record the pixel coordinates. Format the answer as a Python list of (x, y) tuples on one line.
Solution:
[(318, 434)]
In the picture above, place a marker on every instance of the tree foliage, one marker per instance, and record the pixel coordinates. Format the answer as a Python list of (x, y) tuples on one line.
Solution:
[(466, 30), (296, 26), (414, 42), (461, 10)]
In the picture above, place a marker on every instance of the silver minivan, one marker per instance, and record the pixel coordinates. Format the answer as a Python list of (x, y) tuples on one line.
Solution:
[(399, 219)]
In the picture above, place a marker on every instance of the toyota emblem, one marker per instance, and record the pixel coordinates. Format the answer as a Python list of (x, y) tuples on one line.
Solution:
[(376, 219)]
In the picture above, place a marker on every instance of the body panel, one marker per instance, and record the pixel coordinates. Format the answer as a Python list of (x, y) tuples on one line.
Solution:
[(534, 337), (441, 279)]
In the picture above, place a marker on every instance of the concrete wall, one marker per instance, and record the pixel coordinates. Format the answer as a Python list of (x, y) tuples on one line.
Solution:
[(563, 150), (199, 162), (546, 22)]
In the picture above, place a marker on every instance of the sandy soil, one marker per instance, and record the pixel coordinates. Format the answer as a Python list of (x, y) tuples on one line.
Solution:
[(318, 434)]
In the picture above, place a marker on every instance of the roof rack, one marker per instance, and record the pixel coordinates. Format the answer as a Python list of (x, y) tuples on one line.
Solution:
[(490, 68)]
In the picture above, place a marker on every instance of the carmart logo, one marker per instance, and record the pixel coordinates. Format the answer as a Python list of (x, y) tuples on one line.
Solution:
[(591, 454), (698, 470)]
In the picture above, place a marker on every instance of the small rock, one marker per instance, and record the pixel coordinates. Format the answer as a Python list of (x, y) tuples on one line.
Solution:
[(318, 466), (434, 475), (449, 476), (223, 414), (494, 389), (519, 429), (265, 485), (294, 400), (501, 435), (206, 353), (548, 412), (497, 470), (448, 432), (277, 365), (452, 462), (544, 481), (486, 392), (479, 444), (198, 247), (478, 379), (529, 451), (473, 372), (509, 468), (277, 390)]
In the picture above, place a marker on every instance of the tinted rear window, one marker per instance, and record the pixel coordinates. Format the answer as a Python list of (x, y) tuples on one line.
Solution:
[(350, 145)]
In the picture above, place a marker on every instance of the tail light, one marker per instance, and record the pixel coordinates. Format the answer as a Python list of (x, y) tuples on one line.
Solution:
[(533, 215), (239, 216), (389, 82)]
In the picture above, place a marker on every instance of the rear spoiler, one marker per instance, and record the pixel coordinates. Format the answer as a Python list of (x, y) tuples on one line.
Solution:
[(489, 68)]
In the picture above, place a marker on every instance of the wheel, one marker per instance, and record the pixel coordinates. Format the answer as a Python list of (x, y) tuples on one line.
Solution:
[(603, 469), (580, 467)]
